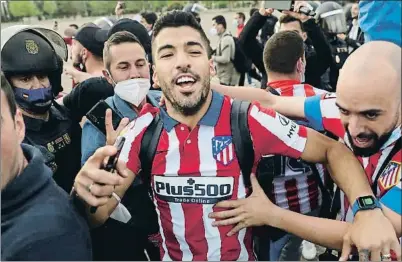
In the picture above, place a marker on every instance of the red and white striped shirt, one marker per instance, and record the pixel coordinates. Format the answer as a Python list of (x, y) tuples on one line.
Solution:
[(296, 189), (323, 113), (195, 169)]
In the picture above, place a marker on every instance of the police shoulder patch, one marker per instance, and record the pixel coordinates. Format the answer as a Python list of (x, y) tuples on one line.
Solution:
[(31, 47), (391, 175)]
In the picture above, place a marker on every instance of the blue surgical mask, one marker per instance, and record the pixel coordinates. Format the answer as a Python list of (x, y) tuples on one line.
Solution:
[(34, 100)]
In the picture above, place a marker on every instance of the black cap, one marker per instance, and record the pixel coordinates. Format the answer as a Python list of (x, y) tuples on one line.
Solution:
[(92, 38), (28, 52), (136, 29)]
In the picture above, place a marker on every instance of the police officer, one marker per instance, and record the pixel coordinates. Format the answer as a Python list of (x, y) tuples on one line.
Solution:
[(195, 9), (331, 18), (31, 59)]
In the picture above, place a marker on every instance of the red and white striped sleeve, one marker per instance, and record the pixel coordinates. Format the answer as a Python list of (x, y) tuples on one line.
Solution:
[(272, 133), (323, 114), (133, 134)]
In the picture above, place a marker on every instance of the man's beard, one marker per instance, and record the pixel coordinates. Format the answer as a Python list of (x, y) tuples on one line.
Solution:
[(187, 107), (378, 142)]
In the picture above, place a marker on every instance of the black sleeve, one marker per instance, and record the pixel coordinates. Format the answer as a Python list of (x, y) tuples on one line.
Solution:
[(355, 43), (318, 64), (72, 102), (248, 40), (72, 246), (85, 95)]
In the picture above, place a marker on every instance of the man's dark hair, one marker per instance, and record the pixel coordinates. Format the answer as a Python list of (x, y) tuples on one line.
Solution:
[(178, 19), (220, 20), (117, 39), (8, 92), (253, 11), (242, 16), (289, 19), (282, 51), (74, 25), (150, 17)]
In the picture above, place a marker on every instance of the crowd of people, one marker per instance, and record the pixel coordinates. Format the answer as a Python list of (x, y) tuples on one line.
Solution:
[(148, 158)]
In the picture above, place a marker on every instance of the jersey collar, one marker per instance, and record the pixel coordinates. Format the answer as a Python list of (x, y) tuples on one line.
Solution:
[(283, 83), (209, 119)]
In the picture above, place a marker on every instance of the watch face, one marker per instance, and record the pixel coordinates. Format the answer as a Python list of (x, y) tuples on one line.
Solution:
[(366, 202)]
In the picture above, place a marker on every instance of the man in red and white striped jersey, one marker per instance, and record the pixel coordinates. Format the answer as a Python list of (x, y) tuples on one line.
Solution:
[(365, 114), (296, 187), (195, 165)]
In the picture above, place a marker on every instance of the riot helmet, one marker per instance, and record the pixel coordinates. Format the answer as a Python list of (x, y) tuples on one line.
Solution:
[(32, 50), (331, 17), (195, 9)]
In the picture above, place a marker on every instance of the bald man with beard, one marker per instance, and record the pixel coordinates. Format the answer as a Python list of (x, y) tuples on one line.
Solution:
[(365, 114)]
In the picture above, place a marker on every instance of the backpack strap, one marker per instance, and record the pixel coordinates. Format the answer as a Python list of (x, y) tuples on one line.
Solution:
[(149, 144), (395, 149), (242, 139)]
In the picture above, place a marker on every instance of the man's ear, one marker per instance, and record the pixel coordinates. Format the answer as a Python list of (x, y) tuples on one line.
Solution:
[(304, 36), (212, 70), (85, 54), (19, 125), (107, 76), (155, 79)]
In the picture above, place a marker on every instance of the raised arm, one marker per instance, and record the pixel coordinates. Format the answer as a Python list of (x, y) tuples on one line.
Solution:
[(292, 107)]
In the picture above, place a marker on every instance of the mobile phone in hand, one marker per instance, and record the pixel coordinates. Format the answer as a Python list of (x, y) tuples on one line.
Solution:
[(279, 5), (112, 162), (97, 116)]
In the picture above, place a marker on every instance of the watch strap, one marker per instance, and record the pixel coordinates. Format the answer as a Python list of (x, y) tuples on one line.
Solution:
[(356, 207)]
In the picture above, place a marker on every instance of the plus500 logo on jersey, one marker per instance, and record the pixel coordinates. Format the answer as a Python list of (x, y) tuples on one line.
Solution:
[(195, 190)]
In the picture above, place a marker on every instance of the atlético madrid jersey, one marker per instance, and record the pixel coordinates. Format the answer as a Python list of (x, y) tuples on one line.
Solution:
[(323, 114), (195, 169)]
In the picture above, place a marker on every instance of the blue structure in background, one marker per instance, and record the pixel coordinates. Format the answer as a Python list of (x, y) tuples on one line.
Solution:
[(381, 20)]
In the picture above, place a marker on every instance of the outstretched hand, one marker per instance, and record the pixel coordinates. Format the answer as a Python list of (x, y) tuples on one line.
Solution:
[(252, 211)]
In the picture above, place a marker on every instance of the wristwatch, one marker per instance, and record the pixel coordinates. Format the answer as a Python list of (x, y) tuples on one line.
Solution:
[(365, 203)]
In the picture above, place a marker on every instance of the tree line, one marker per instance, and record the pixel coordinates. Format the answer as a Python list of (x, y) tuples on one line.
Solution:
[(17, 10)]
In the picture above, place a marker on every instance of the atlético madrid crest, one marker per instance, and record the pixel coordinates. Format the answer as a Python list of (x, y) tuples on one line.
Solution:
[(223, 149), (391, 175)]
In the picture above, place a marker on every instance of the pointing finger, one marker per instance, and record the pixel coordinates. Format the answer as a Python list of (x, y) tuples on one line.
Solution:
[(100, 154)]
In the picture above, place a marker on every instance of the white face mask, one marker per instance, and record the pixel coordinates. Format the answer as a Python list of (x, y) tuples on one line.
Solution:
[(213, 31), (133, 91), (235, 22)]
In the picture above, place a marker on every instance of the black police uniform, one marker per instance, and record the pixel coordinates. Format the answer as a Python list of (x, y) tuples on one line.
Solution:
[(331, 18), (340, 53), (62, 138), (59, 138)]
